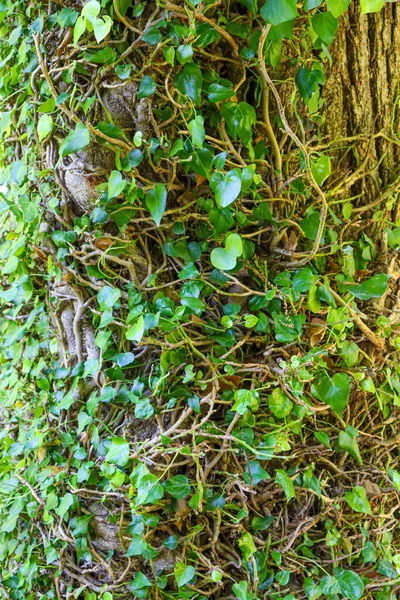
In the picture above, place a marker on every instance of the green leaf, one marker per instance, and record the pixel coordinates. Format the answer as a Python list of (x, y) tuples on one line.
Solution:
[(286, 483), (226, 187), (44, 126), (324, 25), (321, 168), (118, 452), (116, 185), (371, 6), (147, 87), (337, 7), (372, 288), (102, 28), (76, 140), (349, 353), (197, 131), (91, 9), (189, 82), (279, 11), (240, 591), (240, 119), (350, 583), (308, 81), (245, 399), (334, 392), (108, 297), (217, 92), (358, 501), (347, 440), (395, 477), (254, 473), (279, 404), (247, 545), (311, 589), (183, 573), (178, 487), (79, 29), (184, 54), (156, 202), (304, 280), (135, 333), (140, 582), (225, 258)]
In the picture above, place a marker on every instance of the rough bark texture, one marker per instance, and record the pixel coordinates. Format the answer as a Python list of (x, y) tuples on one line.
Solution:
[(361, 92)]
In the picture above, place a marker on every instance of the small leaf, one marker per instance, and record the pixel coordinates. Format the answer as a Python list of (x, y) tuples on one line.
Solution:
[(321, 168), (147, 87), (156, 202), (178, 486), (108, 297), (350, 583), (324, 25), (358, 501), (217, 92), (183, 573), (308, 81), (102, 28), (240, 119), (372, 288), (226, 187), (337, 7), (279, 11), (44, 126), (189, 82), (76, 140), (135, 333), (279, 404), (334, 392), (197, 131), (286, 483), (371, 6), (118, 452), (116, 185), (347, 440)]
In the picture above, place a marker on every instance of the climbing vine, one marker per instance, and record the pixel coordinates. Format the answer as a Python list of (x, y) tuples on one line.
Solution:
[(199, 382)]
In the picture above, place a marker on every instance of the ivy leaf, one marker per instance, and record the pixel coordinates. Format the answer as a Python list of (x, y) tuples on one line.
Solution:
[(183, 573), (337, 7), (135, 333), (225, 258), (197, 131), (371, 6), (279, 11), (156, 202), (286, 483), (108, 297), (372, 288), (178, 487), (321, 168), (324, 25), (102, 28), (226, 187), (76, 140), (311, 589), (334, 392), (240, 119), (116, 185), (118, 452), (241, 592), (358, 501), (217, 92), (395, 477), (347, 440), (350, 583), (308, 81), (44, 126), (147, 87), (279, 404), (245, 399), (189, 82)]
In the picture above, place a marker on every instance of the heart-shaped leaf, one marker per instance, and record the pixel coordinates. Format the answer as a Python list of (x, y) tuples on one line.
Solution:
[(76, 140), (308, 81), (334, 392), (156, 201), (101, 28), (279, 11), (116, 185), (225, 258), (226, 187)]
